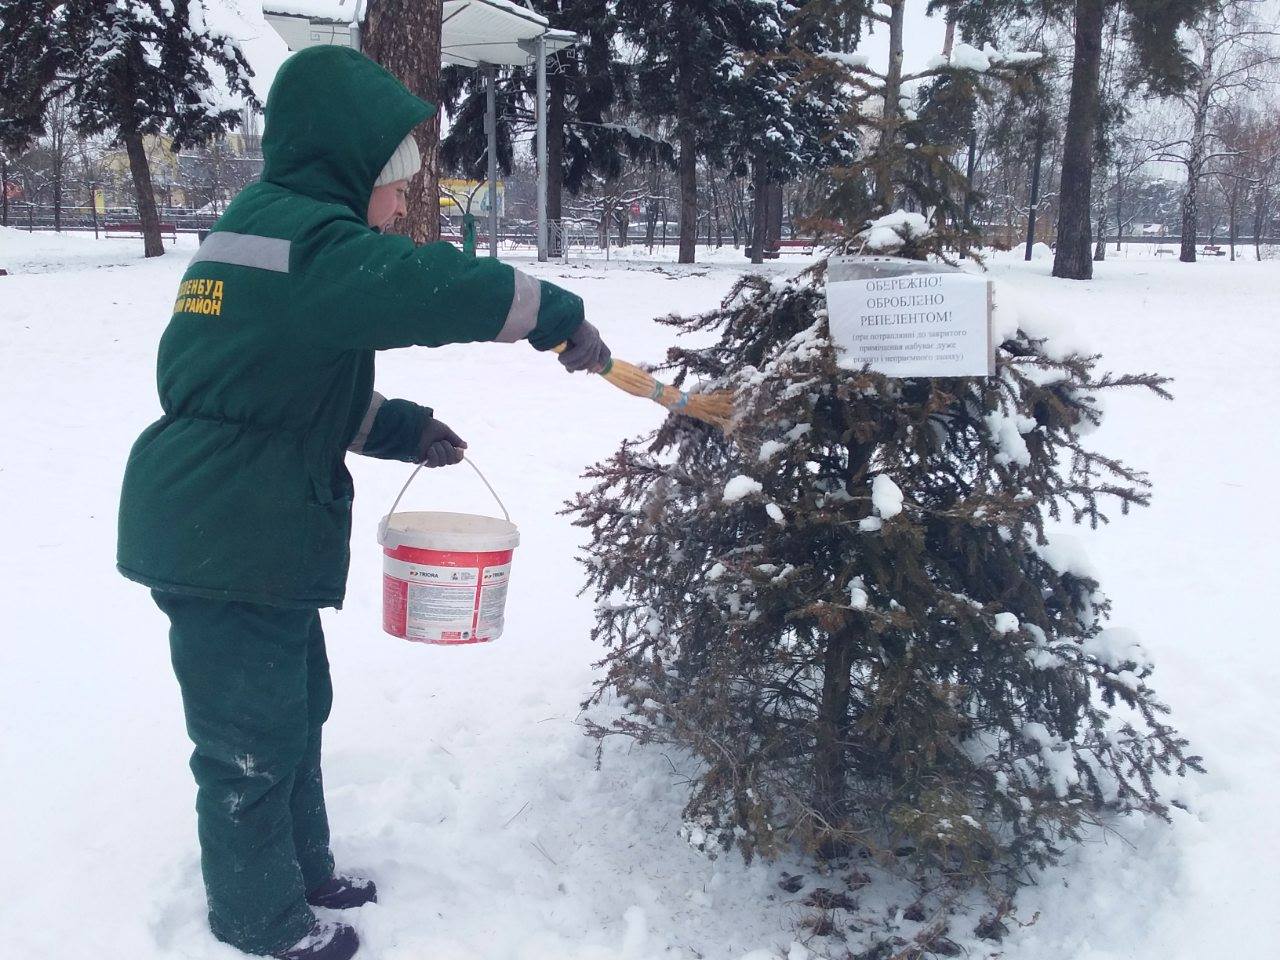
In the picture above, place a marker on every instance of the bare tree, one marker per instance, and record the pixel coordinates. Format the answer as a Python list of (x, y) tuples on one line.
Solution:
[(58, 144), (1234, 55)]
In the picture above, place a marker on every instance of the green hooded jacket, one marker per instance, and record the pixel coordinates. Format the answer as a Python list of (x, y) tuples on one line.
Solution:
[(265, 371)]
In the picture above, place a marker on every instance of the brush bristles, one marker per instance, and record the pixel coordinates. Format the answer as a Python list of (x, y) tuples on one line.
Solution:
[(715, 408)]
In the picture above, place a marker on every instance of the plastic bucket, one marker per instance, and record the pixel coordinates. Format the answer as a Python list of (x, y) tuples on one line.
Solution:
[(445, 575)]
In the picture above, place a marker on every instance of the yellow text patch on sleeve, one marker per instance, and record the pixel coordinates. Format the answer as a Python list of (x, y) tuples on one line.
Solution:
[(199, 296)]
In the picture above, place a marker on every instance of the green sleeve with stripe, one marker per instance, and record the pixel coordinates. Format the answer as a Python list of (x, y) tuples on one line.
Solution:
[(359, 289), (392, 430)]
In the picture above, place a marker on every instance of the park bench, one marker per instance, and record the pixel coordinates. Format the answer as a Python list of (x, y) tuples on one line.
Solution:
[(134, 228), (1212, 250)]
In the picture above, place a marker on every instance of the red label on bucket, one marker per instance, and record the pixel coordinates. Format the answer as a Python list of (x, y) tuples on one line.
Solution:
[(444, 596)]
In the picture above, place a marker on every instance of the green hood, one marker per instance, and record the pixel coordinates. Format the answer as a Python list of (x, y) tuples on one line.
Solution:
[(333, 119)]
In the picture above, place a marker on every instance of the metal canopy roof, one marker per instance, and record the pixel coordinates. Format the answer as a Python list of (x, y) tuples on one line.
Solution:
[(495, 31), (500, 32)]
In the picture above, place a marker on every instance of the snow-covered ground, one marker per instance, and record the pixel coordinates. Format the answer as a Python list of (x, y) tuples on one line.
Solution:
[(460, 778)]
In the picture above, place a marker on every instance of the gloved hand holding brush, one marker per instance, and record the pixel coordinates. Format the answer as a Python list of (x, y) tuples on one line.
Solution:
[(585, 350)]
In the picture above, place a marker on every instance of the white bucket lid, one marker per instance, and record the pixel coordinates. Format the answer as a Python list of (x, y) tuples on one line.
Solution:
[(434, 530)]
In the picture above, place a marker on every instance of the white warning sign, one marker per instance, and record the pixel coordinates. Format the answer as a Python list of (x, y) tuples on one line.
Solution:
[(927, 324)]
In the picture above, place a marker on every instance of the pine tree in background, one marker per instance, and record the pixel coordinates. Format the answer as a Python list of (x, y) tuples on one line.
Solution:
[(851, 611), (681, 46), (913, 123), (129, 69), (28, 65), (772, 126)]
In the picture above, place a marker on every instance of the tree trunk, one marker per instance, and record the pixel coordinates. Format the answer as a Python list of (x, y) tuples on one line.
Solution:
[(4, 190), (1033, 199), (1100, 241), (404, 36), (829, 761), (651, 227), (623, 218), (715, 211), (688, 171), (1195, 155), (969, 168), (152, 245), (57, 197), (773, 225), (892, 115), (1231, 222), (1190, 216), (735, 214), (1259, 220), (686, 130), (1072, 258), (1119, 197), (760, 209)]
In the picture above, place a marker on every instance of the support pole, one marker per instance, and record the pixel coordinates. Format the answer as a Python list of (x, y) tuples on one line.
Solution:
[(357, 26), (542, 147), (491, 128)]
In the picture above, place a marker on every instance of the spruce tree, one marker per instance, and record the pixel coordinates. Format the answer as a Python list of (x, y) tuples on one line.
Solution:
[(773, 124), (852, 610), (913, 122), (682, 45), (28, 65), (130, 69)]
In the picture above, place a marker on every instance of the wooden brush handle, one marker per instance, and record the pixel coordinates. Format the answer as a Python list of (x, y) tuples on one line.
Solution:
[(629, 377), (713, 408)]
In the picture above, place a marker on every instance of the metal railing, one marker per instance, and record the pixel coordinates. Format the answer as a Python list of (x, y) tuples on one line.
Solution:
[(75, 219)]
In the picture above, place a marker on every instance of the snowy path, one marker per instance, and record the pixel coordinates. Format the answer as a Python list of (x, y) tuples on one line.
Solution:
[(458, 777)]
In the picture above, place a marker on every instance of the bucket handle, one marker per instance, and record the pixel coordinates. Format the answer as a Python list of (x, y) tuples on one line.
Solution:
[(382, 526)]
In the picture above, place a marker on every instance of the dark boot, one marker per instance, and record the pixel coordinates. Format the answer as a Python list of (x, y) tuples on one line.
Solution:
[(326, 941), (342, 893)]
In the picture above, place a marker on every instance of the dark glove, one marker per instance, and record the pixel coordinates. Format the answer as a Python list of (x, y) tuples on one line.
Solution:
[(586, 351), (439, 446)]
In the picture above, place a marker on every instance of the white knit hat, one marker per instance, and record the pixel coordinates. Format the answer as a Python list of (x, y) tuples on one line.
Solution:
[(404, 163)]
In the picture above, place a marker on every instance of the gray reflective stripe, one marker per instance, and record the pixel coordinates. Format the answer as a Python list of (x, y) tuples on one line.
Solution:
[(523, 315), (362, 435), (245, 250)]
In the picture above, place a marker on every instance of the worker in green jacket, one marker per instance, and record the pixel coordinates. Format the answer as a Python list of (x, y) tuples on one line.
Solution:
[(236, 504)]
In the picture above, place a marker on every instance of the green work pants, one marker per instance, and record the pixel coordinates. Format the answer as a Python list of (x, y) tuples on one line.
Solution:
[(256, 691)]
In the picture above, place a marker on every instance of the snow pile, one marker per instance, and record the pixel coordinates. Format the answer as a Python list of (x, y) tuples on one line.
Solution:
[(854, 61), (888, 233), (966, 57), (1006, 623), (886, 496), (461, 778), (770, 449), (739, 487), (1065, 553), (1118, 648), (1013, 311), (858, 593), (1006, 431)]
